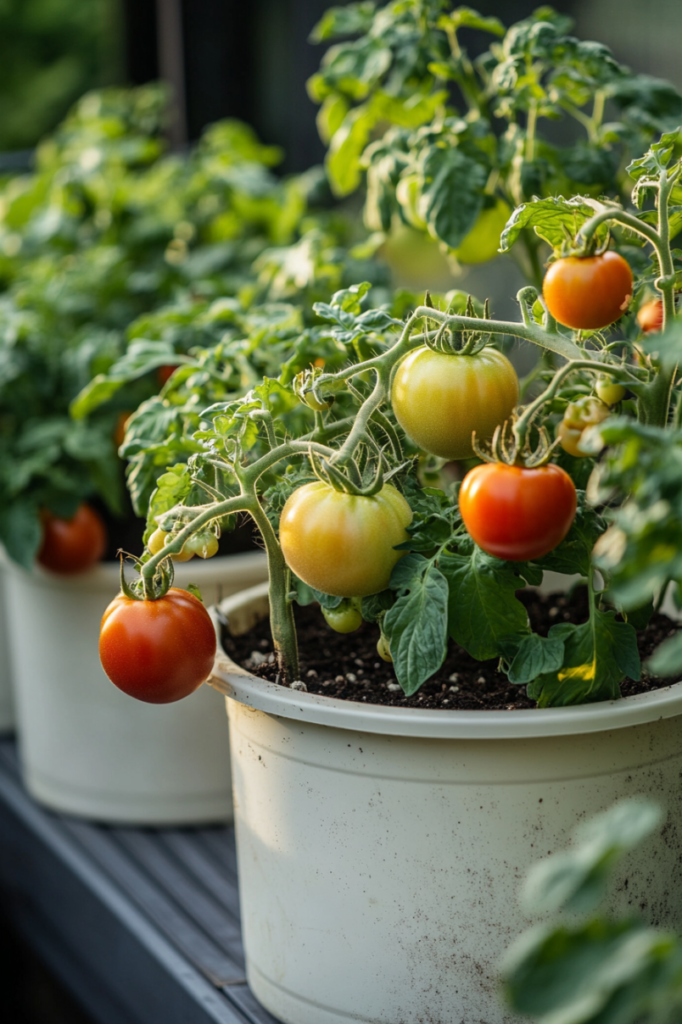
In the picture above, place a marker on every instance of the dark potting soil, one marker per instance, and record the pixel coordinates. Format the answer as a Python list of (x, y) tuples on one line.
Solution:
[(347, 665)]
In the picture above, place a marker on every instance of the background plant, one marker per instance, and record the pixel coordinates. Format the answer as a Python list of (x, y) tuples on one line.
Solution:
[(106, 228), (440, 136), (582, 968)]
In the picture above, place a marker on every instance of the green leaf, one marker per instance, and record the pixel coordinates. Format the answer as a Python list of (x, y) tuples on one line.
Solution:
[(452, 194), (534, 656), (21, 531), (602, 972), (344, 21), (576, 880), (667, 658), (574, 553), (416, 625), (373, 607), (483, 609), (347, 146), (466, 17), (550, 219), (597, 655), (172, 488)]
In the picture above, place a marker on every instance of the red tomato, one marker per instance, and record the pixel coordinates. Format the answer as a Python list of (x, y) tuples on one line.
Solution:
[(650, 316), (158, 651), (72, 545), (515, 513), (164, 373), (588, 292)]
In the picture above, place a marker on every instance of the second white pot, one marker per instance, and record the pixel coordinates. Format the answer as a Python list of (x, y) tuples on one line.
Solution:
[(381, 850), (88, 749)]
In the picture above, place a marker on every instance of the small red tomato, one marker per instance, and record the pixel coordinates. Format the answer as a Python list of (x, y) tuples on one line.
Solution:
[(164, 373), (588, 292), (72, 545), (650, 316), (157, 651), (516, 513)]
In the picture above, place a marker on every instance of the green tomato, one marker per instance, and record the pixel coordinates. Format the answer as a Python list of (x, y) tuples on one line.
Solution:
[(610, 392), (313, 403), (483, 241), (204, 544), (158, 541), (344, 619), (383, 648)]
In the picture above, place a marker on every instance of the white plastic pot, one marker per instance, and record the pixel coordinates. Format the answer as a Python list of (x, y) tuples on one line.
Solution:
[(88, 749), (6, 697), (381, 849)]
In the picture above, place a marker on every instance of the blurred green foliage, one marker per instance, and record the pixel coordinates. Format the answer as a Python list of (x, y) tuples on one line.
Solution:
[(51, 52)]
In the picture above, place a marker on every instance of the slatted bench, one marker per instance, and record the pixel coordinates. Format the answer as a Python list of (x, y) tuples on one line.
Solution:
[(140, 925)]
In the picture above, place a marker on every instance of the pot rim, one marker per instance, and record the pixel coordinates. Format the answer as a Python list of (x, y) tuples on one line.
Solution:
[(238, 684), (105, 574)]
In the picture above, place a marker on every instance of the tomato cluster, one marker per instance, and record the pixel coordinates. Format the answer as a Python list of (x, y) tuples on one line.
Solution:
[(579, 417)]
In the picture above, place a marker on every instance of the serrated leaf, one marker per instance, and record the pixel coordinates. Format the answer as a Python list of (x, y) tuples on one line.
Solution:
[(597, 656), (483, 608), (416, 625), (534, 656), (550, 219), (452, 194), (667, 658)]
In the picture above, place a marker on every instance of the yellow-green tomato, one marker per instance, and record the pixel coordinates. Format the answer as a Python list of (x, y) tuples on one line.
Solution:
[(609, 391), (383, 649), (578, 417), (342, 544), (204, 544), (159, 539), (440, 399), (483, 241), (344, 619)]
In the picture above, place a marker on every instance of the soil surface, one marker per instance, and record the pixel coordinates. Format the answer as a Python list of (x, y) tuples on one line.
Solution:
[(347, 665)]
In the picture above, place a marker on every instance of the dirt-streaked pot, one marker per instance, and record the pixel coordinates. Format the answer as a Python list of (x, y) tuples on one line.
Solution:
[(88, 749), (381, 849), (6, 696)]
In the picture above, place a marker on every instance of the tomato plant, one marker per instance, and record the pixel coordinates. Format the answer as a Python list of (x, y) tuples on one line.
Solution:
[(157, 650), (72, 545), (650, 316), (516, 513), (588, 292), (343, 544), (439, 398)]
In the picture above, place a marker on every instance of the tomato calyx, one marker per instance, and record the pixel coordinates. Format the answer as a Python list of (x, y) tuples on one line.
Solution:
[(470, 343), (510, 444), (580, 246), (305, 389), (143, 588)]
